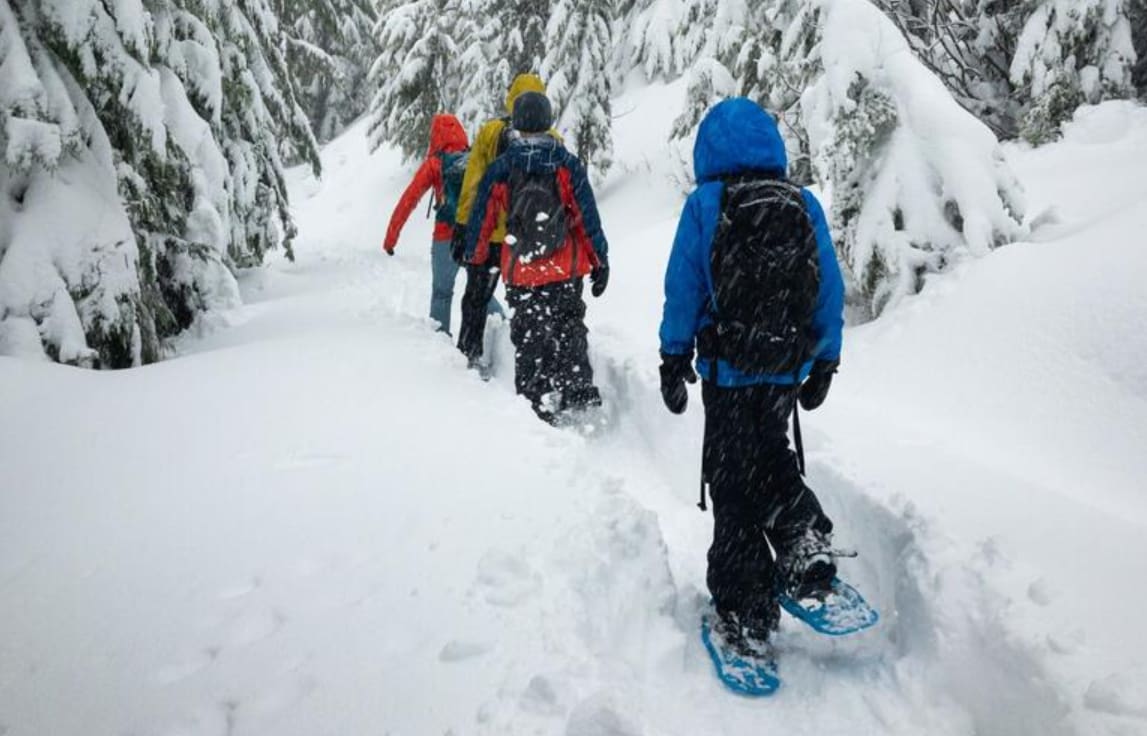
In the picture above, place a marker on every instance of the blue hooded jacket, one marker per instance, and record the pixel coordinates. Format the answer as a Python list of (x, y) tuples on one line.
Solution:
[(736, 137), (536, 155)]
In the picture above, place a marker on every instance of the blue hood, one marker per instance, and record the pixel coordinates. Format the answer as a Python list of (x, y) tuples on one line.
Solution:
[(737, 136)]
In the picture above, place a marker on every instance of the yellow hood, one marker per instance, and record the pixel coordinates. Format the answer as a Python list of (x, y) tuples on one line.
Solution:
[(523, 83)]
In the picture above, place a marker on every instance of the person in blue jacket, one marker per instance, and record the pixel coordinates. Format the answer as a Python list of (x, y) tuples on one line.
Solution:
[(767, 329), (554, 240)]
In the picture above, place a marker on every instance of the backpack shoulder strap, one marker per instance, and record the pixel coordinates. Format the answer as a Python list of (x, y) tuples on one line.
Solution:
[(504, 135)]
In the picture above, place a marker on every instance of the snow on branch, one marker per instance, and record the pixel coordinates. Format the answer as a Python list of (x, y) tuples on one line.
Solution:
[(915, 181)]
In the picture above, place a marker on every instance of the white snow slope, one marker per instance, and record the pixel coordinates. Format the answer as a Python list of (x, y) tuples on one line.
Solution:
[(316, 521)]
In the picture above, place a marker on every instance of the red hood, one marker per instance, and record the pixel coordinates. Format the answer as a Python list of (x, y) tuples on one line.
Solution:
[(447, 135)]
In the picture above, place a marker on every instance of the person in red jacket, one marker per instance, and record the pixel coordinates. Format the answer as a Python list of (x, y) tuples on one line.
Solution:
[(442, 171), (553, 241)]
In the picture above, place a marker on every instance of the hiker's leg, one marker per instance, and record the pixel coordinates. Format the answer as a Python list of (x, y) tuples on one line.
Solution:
[(794, 521), (481, 282), (573, 373), (790, 506), (740, 575), (528, 332), (443, 271)]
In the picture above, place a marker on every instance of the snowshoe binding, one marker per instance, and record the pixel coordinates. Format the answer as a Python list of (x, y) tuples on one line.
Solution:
[(811, 591)]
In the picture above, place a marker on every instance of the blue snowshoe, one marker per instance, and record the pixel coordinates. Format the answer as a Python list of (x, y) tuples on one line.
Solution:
[(838, 611), (810, 590), (743, 665)]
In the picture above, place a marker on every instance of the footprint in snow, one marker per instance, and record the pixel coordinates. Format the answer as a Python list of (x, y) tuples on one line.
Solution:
[(599, 715), (251, 627), (456, 650), (1119, 694), (541, 697), (507, 579), (1040, 593)]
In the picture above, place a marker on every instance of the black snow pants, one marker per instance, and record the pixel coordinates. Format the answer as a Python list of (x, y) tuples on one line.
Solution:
[(481, 282), (551, 346), (759, 497)]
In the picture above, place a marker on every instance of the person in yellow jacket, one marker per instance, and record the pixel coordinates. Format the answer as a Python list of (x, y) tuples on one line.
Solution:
[(482, 278)]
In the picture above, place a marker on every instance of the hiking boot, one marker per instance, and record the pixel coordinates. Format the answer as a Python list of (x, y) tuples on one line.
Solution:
[(581, 398), (483, 369), (807, 568), (745, 638)]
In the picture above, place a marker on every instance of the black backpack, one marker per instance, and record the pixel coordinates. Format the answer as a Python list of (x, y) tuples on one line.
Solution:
[(766, 278), (537, 223)]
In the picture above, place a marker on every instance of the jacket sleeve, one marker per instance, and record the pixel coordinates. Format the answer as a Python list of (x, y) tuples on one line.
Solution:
[(428, 176), (485, 208), (591, 220), (686, 286), (828, 321), (482, 154)]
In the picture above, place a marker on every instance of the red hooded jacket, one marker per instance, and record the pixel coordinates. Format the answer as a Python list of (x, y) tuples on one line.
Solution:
[(446, 136), (585, 247)]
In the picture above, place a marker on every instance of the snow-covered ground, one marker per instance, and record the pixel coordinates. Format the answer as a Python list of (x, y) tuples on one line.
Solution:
[(316, 521)]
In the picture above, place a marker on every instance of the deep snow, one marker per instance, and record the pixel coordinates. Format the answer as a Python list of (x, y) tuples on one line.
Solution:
[(316, 521)]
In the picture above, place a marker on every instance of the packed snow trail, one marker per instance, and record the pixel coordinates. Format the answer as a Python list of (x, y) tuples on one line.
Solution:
[(316, 521)]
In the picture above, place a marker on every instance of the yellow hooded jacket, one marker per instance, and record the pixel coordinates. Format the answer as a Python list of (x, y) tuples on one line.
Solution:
[(485, 150)]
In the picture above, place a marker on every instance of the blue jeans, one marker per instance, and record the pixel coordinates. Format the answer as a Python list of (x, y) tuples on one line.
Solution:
[(443, 271)]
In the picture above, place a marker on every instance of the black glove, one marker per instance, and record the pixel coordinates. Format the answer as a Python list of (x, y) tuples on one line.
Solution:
[(458, 244), (815, 387), (599, 277), (676, 371)]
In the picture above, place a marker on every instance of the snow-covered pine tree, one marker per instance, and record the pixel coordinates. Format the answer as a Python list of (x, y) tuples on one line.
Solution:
[(915, 181), (482, 68), (68, 258), (709, 83), (259, 111), (707, 45), (415, 73), (775, 63), (648, 30), (1071, 52), (330, 47), (694, 31), (760, 51), (524, 33), (969, 45), (1138, 17), (578, 77), (140, 165)]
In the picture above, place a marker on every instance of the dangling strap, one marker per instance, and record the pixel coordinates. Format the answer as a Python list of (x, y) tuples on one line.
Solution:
[(797, 441), (701, 504), (433, 194)]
